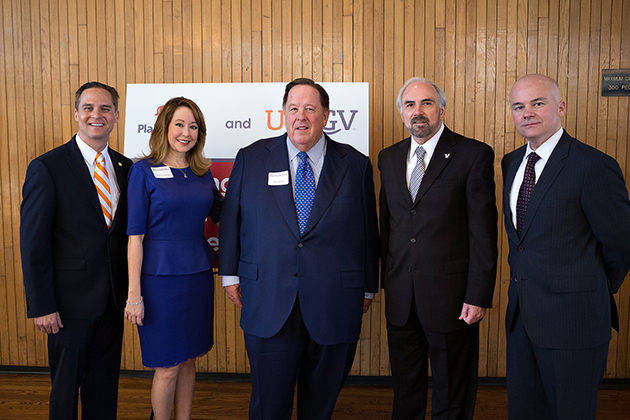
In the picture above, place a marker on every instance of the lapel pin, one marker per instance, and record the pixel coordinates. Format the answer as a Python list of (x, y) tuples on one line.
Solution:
[(119, 164), (446, 155)]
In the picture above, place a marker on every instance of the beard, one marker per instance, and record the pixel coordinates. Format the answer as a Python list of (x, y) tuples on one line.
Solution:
[(425, 131)]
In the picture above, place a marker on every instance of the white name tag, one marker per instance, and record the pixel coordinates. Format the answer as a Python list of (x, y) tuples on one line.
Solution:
[(162, 172), (278, 178)]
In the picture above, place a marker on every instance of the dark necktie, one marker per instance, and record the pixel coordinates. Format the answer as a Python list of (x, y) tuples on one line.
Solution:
[(304, 191), (525, 192)]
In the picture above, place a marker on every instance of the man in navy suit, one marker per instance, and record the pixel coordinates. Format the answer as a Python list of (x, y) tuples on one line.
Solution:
[(567, 218), (438, 254), (303, 276), (74, 264)]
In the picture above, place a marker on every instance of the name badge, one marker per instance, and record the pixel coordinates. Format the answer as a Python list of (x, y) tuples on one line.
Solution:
[(162, 172), (278, 178)]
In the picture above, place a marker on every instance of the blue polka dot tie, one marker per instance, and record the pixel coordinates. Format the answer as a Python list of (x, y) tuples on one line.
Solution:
[(525, 192), (304, 190)]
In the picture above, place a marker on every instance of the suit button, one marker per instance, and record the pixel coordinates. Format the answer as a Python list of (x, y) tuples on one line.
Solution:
[(521, 248), (300, 245), (409, 269), (413, 240), (413, 212), (295, 274)]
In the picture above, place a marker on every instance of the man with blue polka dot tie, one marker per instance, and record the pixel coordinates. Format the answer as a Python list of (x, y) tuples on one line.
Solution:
[(299, 255)]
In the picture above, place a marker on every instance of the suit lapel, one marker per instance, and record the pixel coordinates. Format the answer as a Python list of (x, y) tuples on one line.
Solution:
[(277, 160), (82, 174), (443, 154), (546, 179), (330, 179), (400, 169), (508, 180)]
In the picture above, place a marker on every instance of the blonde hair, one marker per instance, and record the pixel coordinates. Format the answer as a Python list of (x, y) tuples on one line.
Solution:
[(158, 143)]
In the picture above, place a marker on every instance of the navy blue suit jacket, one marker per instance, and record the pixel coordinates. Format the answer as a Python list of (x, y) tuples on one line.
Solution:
[(574, 251), (72, 263), (329, 267)]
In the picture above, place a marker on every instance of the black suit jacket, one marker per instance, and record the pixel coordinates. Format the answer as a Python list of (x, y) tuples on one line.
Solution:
[(441, 249), (71, 261), (574, 251)]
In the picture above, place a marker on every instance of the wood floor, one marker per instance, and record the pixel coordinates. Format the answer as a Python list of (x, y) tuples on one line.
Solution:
[(25, 396)]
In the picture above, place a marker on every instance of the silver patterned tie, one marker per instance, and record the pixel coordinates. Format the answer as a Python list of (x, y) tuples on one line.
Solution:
[(417, 174)]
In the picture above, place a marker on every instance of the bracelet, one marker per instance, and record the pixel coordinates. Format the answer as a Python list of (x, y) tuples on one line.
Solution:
[(134, 304)]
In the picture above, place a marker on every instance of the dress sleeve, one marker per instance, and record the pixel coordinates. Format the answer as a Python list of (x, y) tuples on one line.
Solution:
[(137, 201)]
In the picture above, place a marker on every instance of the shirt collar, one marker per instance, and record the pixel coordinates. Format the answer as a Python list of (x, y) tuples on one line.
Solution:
[(545, 149), (315, 153), (429, 145), (87, 152)]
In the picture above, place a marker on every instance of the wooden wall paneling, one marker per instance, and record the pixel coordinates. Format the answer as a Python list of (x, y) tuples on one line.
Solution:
[(440, 44), (358, 52), (593, 88), (8, 194), (563, 50), (5, 204), (623, 298), (474, 50), (179, 74), (552, 40), (217, 30), (532, 36), (604, 63), (275, 40), (24, 152), (325, 7), (470, 35), (543, 37), (235, 37), (167, 19), (347, 64), (450, 61), (246, 37), (293, 40), (582, 73), (491, 103), (395, 20), (429, 39), (143, 31), (193, 23), (454, 118), (571, 72)]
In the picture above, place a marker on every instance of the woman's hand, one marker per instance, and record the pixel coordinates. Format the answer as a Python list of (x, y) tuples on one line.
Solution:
[(135, 312)]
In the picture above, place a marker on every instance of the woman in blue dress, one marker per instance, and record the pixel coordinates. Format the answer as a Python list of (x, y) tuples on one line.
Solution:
[(171, 288)]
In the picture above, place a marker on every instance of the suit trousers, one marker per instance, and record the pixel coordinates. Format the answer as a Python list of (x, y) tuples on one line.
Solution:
[(85, 354), (454, 360), (291, 356), (551, 384)]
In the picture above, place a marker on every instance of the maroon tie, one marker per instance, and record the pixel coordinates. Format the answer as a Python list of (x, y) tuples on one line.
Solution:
[(525, 192)]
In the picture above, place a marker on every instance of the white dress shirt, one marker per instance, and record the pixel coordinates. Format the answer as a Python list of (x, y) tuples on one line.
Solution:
[(544, 151)]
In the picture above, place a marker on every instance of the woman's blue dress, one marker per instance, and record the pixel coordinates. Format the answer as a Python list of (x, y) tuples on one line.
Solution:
[(177, 282)]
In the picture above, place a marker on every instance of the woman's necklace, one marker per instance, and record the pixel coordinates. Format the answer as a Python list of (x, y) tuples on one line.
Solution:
[(180, 169)]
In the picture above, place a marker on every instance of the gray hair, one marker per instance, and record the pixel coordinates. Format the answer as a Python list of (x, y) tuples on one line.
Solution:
[(440, 92)]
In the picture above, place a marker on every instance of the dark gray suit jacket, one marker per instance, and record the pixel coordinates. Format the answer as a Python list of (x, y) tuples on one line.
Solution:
[(441, 249)]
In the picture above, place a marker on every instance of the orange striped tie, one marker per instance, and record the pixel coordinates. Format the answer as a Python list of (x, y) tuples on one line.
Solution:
[(101, 180)]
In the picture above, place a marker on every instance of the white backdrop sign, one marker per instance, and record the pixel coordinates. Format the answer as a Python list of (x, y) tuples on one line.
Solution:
[(237, 114)]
